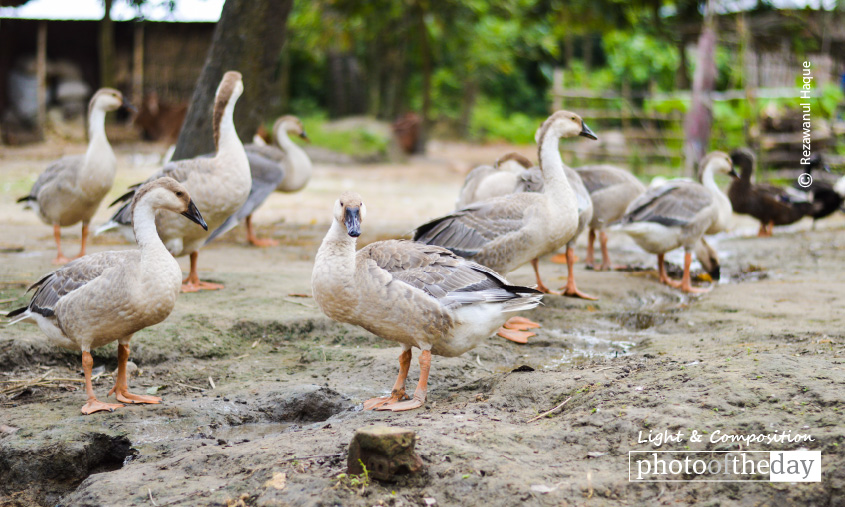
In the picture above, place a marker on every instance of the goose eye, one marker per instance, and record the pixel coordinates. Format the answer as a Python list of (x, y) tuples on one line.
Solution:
[(178, 194)]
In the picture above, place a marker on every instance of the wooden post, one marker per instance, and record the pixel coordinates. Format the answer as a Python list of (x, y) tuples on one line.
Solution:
[(557, 89), (41, 75), (138, 65)]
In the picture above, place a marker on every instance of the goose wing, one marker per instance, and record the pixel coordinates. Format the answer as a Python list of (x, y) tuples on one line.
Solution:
[(58, 284), (467, 231), (266, 176), (58, 174), (471, 184), (675, 203), (598, 177), (442, 275), (530, 180), (267, 151)]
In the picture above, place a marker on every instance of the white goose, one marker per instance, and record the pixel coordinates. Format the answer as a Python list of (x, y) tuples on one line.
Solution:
[(71, 188), (417, 295), (108, 296), (219, 186), (485, 182), (506, 232), (286, 168), (679, 213)]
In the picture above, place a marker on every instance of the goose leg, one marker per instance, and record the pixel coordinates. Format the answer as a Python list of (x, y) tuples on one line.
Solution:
[(121, 387), (591, 259), (397, 394), (253, 239), (93, 405), (686, 286), (762, 232), (83, 242), (661, 272), (571, 289), (540, 286), (605, 256), (420, 392), (57, 235), (771, 228), (193, 283)]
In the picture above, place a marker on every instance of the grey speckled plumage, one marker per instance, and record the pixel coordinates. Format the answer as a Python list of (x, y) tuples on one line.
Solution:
[(611, 190)]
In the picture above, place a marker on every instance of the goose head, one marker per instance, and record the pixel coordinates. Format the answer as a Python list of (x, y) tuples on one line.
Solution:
[(513, 161), (231, 87), (349, 211), (718, 162), (744, 158), (289, 124), (564, 124), (168, 194), (109, 99)]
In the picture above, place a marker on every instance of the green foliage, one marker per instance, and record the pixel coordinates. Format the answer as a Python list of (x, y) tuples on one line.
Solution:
[(490, 123), (357, 142), (640, 58)]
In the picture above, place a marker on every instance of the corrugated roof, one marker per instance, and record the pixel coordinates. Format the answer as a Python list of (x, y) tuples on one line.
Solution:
[(185, 11)]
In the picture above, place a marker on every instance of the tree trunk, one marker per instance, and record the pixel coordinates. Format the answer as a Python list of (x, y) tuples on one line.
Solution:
[(699, 118), (248, 38), (107, 47), (467, 105), (425, 53), (682, 75)]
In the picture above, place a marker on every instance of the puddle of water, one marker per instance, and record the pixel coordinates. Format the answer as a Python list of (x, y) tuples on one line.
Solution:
[(585, 347)]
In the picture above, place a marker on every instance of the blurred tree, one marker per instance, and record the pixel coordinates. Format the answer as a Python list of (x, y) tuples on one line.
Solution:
[(699, 118), (248, 38), (106, 46)]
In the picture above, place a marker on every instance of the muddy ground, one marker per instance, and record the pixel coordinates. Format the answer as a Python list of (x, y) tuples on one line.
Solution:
[(257, 382)]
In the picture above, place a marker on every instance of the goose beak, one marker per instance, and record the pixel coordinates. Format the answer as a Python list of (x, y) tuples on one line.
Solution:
[(352, 219), (193, 214), (733, 172), (305, 137), (586, 132), (716, 272), (128, 106)]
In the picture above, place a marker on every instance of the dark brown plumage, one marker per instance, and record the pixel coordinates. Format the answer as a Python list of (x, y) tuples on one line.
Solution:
[(769, 204)]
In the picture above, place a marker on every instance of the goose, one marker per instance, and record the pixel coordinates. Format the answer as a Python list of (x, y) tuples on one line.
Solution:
[(70, 189), (415, 294), (769, 204), (531, 180), (506, 232), (219, 185), (108, 296), (611, 190), (286, 168), (485, 182), (678, 213)]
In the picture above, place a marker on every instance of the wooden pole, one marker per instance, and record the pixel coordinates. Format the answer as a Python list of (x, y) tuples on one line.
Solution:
[(41, 75), (138, 65)]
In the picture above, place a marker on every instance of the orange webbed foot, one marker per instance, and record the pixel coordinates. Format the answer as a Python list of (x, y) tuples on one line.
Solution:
[(401, 406), (375, 403), (521, 323), (60, 260), (95, 405), (573, 292), (198, 286), (123, 395), (263, 242)]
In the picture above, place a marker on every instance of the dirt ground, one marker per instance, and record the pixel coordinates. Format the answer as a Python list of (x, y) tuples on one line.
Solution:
[(258, 383)]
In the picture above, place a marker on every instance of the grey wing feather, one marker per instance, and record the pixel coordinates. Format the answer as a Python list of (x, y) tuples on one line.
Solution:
[(178, 170), (597, 177), (530, 180), (467, 231), (471, 183), (69, 278), (266, 176), (450, 279), (64, 166), (674, 203), (267, 151)]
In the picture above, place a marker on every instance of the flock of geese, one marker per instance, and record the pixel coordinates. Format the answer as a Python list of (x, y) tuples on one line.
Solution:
[(442, 292)]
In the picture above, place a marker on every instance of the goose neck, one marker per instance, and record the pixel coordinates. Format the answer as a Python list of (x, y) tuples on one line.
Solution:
[(551, 164), (144, 225), (96, 125), (225, 135)]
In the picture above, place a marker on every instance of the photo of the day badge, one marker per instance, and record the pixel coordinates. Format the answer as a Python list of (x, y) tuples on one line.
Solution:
[(725, 466)]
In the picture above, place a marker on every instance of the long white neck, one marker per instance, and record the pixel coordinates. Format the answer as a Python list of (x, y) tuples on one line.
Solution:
[(332, 280), (724, 204), (298, 163), (228, 137), (97, 139), (551, 163), (144, 224)]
